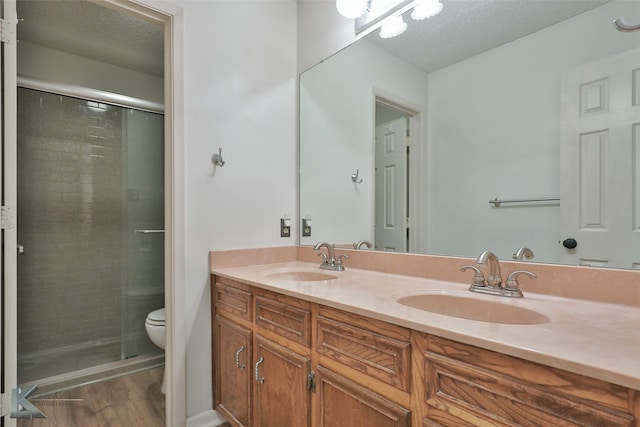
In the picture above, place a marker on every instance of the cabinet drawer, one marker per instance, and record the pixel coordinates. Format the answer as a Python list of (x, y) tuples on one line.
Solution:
[(232, 300), (383, 357), (480, 386), (284, 318)]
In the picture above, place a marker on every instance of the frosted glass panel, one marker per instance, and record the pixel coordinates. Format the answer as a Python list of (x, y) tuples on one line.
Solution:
[(77, 287)]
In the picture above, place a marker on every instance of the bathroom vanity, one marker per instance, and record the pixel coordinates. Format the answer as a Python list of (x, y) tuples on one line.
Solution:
[(294, 346)]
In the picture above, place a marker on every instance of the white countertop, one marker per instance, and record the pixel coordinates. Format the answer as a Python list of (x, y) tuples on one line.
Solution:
[(597, 340)]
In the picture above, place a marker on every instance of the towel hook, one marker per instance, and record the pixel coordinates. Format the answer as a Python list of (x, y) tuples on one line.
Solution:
[(624, 27), (354, 177), (217, 158)]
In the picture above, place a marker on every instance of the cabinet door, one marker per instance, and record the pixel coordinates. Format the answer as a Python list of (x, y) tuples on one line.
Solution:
[(281, 394), (233, 367), (344, 403)]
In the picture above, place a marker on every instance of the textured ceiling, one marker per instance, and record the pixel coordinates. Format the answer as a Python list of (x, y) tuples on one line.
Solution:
[(468, 27), (86, 29), (464, 28)]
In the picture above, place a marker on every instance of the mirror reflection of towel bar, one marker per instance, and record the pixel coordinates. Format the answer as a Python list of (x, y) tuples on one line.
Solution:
[(624, 27), (148, 231), (497, 201)]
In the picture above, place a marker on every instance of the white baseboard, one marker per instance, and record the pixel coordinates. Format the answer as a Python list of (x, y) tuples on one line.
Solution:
[(208, 418)]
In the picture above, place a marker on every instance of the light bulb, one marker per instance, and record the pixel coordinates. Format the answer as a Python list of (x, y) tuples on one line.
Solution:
[(393, 27), (351, 8), (426, 9)]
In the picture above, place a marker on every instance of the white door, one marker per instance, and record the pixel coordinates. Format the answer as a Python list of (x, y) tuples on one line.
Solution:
[(391, 186), (8, 250), (600, 162)]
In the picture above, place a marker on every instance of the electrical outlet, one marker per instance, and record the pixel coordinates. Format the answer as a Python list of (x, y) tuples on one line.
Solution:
[(285, 230), (306, 227)]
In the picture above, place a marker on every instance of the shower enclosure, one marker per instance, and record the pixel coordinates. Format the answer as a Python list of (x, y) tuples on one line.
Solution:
[(90, 227)]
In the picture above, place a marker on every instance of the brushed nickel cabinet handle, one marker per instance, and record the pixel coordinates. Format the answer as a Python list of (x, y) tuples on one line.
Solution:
[(240, 350), (257, 370)]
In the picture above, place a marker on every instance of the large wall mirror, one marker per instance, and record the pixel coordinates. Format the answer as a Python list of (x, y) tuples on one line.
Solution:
[(405, 141)]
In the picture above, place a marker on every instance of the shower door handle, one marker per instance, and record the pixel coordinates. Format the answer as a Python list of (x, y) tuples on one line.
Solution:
[(148, 231)]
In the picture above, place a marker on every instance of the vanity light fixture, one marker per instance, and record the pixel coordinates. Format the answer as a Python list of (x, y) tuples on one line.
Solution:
[(422, 10), (369, 15), (352, 8), (394, 27), (426, 9)]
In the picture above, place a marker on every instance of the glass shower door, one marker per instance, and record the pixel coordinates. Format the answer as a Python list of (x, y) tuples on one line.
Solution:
[(143, 272), (89, 175)]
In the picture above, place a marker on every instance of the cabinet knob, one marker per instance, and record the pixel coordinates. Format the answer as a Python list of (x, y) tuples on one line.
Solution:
[(240, 350), (257, 370)]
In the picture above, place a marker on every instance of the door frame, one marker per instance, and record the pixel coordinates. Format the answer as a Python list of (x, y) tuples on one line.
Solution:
[(9, 190), (171, 17), (416, 113)]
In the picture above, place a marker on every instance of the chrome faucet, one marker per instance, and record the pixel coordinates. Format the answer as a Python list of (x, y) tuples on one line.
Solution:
[(493, 284), (329, 260), (523, 253), (362, 243), (494, 280)]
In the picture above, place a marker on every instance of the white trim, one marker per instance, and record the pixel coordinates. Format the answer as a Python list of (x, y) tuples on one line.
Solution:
[(9, 181), (91, 94), (206, 419), (171, 16)]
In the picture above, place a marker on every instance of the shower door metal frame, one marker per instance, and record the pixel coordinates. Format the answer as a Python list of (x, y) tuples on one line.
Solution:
[(8, 177)]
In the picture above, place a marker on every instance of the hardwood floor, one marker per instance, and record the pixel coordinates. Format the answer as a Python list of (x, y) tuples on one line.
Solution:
[(133, 400)]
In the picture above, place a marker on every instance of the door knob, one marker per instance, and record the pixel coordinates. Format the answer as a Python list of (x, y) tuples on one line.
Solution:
[(569, 243)]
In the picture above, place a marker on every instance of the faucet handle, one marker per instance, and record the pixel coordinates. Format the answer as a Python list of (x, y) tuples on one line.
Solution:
[(478, 277), (512, 287), (339, 258), (325, 258)]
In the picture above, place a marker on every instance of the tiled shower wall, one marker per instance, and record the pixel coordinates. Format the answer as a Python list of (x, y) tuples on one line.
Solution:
[(70, 221)]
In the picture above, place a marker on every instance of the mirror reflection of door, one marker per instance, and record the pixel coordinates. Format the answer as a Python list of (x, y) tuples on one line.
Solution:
[(392, 150), (600, 155)]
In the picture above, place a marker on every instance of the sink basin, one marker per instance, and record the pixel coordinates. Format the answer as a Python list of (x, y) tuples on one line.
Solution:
[(302, 276), (468, 307)]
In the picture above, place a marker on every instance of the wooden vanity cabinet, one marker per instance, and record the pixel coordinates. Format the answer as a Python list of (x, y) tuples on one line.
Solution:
[(363, 371), (343, 402), (282, 354), (232, 351), (261, 363), (461, 385), (282, 361), (282, 396), (233, 369)]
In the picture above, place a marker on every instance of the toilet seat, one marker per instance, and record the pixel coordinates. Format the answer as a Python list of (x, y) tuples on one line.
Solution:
[(156, 317)]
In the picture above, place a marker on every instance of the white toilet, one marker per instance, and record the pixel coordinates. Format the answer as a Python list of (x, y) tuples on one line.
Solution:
[(155, 326)]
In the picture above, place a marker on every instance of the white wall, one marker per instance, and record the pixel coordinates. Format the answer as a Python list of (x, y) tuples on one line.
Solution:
[(240, 86), (240, 95), (504, 105), (322, 31), (51, 65), (337, 113)]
